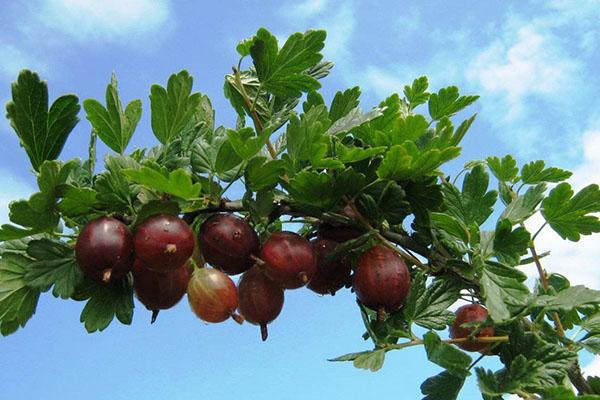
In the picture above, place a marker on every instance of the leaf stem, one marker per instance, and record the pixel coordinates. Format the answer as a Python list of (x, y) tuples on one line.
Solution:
[(417, 342), (253, 114)]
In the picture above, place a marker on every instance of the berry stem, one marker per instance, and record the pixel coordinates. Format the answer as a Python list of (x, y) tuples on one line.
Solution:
[(154, 316), (264, 332)]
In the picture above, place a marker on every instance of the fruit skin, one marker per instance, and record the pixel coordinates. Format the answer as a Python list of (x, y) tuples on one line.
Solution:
[(289, 259), (330, 276), (212, 295), (471, 313), (159, 291), (163, 242), (261, 299), (104, 249), (228, 242), (381, 279)]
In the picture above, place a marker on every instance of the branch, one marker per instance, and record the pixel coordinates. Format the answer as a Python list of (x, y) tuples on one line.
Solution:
[(417, 342)]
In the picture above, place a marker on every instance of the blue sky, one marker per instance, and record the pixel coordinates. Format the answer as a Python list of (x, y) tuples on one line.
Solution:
[(534, 63)]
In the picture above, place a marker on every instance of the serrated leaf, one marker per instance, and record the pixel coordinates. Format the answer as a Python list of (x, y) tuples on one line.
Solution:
[(262, 174), (17, 300), (303, 132), (428, 306), (504, 169), (503, 289), (41, 131), (509, 244), (372, 360), (177, 183), (524, 206), (77, 201), (105, 302), (313, 188), (54, 266), (569, 298), (281, 71), (448, 102), (447, 356), (155, 207), (443, 386), (564, 393), (113, 189), (569, 215), (535, 172), (343, 103), (113, 125), (550, 360), (410, 128), (352, 154), (407, 161), (245, 143), (474, 204), (450, 225), (173, 107), (417, 93), (353, 119)]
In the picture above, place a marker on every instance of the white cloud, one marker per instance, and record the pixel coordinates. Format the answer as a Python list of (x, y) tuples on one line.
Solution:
[(12, 60), (13, 188), (593, 368), (106, 20), (305, 9), (527, 64), (383, 82)]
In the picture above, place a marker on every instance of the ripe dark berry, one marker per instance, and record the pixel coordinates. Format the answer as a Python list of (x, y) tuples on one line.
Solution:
[(104, 249), (261, 299), (471, 313), (213, 296), (163, 242), (228, 242), (330, 276), (289, 259), (381, 280), (339, 233), (159, 290)]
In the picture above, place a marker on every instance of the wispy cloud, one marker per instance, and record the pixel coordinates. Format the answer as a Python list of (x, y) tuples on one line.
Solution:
[(13, 188), (305, 9), (12, 60), (107, 20)]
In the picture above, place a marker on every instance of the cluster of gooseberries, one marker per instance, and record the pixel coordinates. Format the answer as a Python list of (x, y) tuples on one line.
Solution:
[(167, 260)]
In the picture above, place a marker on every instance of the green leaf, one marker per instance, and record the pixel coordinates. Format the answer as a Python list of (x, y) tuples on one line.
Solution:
[(569, 215), (448, 102), (534, 172), (245, 143), (114, 190), (18, 301), (407, 161), (503, 289), (372, 360), (519, 375), (355, 118), (450, 225), (569, 299), (214, 155), (262, 174), (428, 306), (525, 205), (54, 265), (565, 393), (509, 244), (352, 154), (281, 71), (505, 169), (343, 103), (77, 201), (549, 361), (173, 107), (178, 183), (447, 356), (42, 132), (313, 188), (303, 132), (105, 302), (410, 128), (417, 93), (443, 386), (155, 207), (475, 204), (113, 125)]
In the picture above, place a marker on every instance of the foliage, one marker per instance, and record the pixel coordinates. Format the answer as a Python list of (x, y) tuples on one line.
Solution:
[(295, 154)]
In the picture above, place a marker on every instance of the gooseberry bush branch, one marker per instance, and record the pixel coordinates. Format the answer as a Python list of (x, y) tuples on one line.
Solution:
[(367, 180)]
